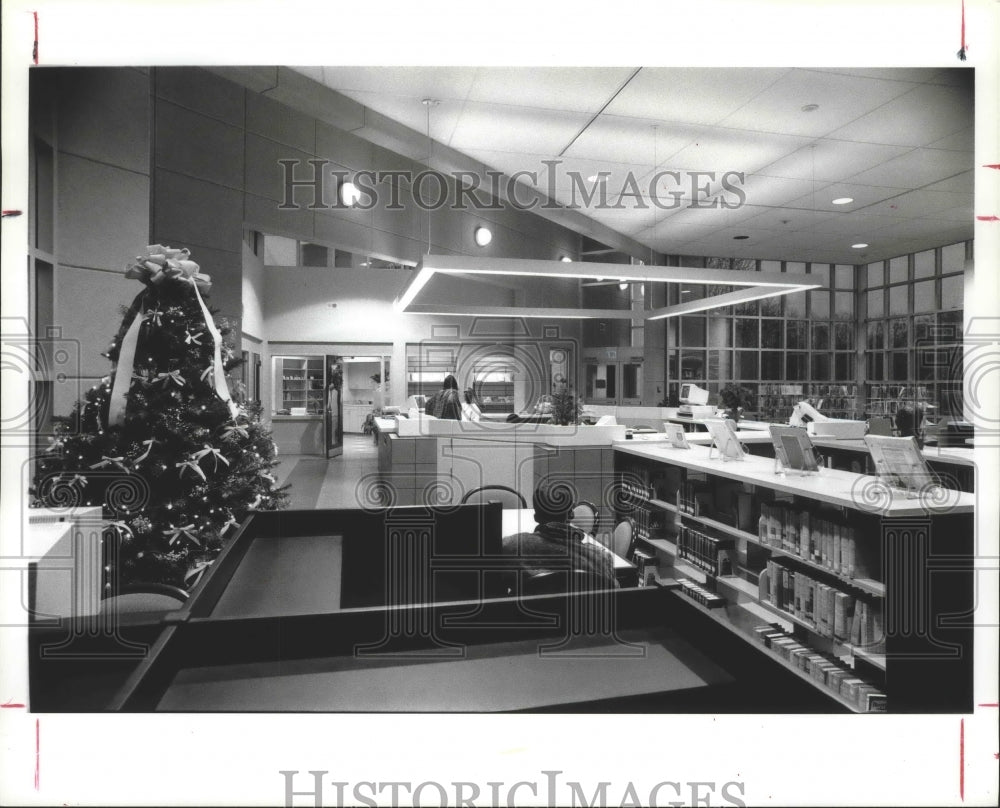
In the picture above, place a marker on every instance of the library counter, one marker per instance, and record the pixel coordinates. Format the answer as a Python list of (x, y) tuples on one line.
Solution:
[(835, 487), (858, 589)]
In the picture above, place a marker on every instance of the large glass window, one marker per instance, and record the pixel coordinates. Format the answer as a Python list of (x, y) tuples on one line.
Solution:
[(914, 323)]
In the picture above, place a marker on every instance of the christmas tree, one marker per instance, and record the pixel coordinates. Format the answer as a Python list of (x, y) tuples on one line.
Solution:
[(160, 444)]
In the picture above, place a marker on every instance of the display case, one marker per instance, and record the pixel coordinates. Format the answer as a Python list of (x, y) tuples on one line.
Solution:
[(298, 385)]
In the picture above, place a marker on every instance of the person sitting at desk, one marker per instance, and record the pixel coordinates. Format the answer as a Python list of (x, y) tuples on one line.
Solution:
[(446, 402), (557, 556)]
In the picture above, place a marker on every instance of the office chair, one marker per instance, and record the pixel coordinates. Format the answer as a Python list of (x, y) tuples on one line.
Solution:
[(504, 494), (585, 516), (623, 538)]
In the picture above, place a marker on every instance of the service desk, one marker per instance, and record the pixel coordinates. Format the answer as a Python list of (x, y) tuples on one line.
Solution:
[(290, 646), (269, 629)]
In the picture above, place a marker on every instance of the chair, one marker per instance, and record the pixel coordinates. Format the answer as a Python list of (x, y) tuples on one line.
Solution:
[(585, 515), (504, 494), (147, 600), (623, 538)]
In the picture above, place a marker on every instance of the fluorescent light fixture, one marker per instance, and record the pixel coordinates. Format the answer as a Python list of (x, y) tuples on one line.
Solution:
[(349, 194), (859, 246), (843, 200), (751, 285), (483, 236)]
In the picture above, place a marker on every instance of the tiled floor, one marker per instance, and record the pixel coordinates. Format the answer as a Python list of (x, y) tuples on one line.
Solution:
[(341, 480)]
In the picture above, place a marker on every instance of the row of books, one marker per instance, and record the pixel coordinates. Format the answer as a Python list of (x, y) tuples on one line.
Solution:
[(695, 498), (706, 552), (896, 391), (830, 671), (701, 595), (822, 541), (830, 612)]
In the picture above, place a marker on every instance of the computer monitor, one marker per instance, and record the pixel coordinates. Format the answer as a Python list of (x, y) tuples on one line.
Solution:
[(415, 402), (693, 394)]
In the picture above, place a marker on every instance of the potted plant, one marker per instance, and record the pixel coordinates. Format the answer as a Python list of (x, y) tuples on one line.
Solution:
[(735, 400), (566, 408)]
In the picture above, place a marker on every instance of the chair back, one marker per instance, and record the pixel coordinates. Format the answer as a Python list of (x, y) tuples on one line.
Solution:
[(505, 495), (880, 425), (623, 538), (584, 516), (146, 599)]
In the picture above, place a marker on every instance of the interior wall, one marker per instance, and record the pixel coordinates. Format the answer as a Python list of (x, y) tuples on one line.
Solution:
[(216, 169), (98, 120)]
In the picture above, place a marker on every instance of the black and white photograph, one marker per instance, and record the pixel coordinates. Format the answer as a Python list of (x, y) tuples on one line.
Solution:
[(391, 415)]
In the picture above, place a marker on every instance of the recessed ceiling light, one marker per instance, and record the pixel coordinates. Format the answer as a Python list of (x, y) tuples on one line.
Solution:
[(859, 246), (810, 107), (483, 236), (349, 194), (740, 238), (843, 200)]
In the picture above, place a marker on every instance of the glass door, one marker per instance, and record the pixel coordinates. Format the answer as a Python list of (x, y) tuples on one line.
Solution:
[(334, 406), (613, 383)]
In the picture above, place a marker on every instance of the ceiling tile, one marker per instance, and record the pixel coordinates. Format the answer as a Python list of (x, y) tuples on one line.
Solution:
[(921, 116), (863, 195), (841, 99), (690, 95), (962, 213), (832, 159), (720, 150), (772, 191), (919, 167), (959, 184), (515, 129), (571, 89), (414, 82), (964, 140), (922, 203), (632, 140)]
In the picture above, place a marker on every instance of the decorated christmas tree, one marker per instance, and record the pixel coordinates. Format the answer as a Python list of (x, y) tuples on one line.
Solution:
[(160, 444)]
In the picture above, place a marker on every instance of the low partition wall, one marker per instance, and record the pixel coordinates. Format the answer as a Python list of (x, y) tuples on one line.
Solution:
[(438, 462)]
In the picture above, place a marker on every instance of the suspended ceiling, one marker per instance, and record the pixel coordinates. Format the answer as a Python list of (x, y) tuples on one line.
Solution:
[(897, 141)]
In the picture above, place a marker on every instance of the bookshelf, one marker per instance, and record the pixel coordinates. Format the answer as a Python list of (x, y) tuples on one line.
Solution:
[(812, 575), (298, 385), (776, 401)]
